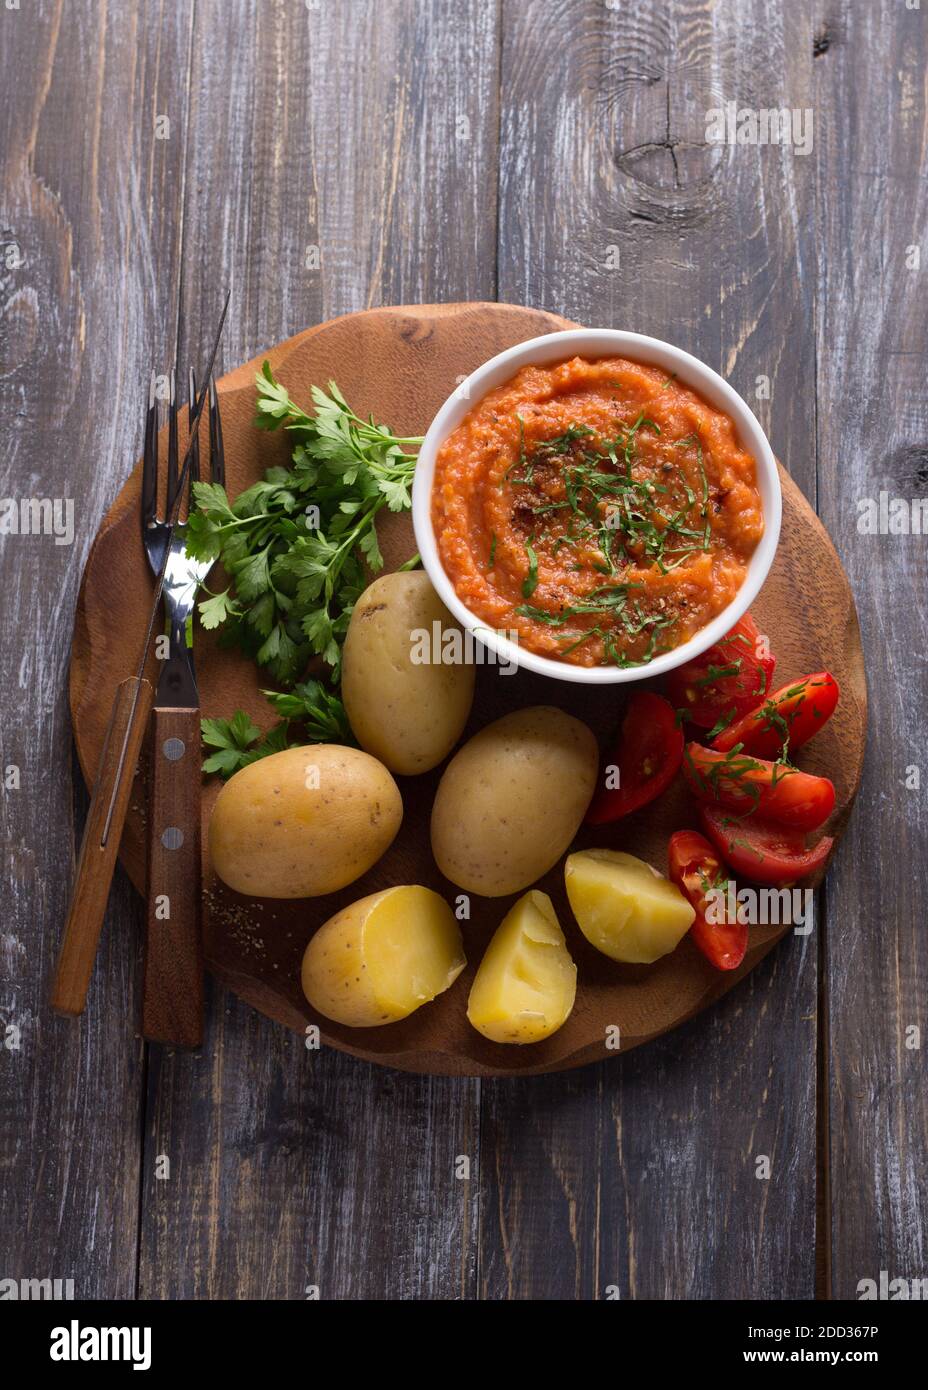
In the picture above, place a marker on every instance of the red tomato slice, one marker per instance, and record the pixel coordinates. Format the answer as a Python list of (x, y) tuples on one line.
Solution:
[(764, 853), (726, 681), (789, 718), (647, 756), (696, 868), (745, 784)]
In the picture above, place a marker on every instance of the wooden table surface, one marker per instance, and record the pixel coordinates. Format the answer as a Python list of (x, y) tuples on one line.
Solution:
[(327, 155)]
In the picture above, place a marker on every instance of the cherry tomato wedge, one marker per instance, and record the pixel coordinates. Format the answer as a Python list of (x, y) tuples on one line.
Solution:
[(745, 784), (697, 868), (647, 756), (764, 853), (791, 716), (726, 681)]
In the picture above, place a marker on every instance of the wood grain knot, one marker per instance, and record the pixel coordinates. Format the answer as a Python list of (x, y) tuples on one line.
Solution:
[(907, 466), (20, 316), (415, 330), (39, 287), (670, 182)]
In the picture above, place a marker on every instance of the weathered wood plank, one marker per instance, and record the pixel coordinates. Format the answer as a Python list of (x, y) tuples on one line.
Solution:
[(335, 184), (872, 429), (614, 210), (88, 286)]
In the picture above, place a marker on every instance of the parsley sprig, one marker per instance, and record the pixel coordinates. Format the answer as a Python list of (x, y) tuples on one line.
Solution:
[(237, 742), (299, 545), (309, 713)]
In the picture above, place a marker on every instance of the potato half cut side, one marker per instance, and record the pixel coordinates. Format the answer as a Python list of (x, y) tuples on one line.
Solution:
[(525, 987), (625, 908), (383, 957)]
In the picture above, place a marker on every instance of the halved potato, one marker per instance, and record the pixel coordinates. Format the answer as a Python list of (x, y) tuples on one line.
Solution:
[(625, 908), (381, 958), (525, 987)]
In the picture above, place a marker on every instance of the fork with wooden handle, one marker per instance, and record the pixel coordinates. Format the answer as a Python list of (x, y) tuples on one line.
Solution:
[(172, 977)]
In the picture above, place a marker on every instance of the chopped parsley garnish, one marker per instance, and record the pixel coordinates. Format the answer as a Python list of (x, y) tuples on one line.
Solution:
[(617, 508), (720, 725), (530, 582)]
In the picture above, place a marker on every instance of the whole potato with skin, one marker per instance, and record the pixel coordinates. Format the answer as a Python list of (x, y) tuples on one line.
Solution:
[(383, 957), (408, 714), (510, 802), (303, 822)]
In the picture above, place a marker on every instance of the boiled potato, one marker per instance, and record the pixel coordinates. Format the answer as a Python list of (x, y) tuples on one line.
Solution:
[(510, 802), (625, 908), (384, 956), (409, 714), (526, 984), (303, 822)]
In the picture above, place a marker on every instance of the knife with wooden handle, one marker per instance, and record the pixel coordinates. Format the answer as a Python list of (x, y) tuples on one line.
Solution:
[(109, 802)]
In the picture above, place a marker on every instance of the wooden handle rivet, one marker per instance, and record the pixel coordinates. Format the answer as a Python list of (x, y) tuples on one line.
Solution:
[(172, 838), (173, 749)]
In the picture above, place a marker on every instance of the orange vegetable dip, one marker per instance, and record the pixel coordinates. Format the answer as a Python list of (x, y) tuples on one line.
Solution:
[(598, 510)]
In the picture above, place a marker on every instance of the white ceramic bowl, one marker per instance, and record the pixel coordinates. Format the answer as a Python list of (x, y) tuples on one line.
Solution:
[(593, 343)]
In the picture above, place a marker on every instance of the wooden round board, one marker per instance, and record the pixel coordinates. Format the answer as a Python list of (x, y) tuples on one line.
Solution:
[(400, 364)]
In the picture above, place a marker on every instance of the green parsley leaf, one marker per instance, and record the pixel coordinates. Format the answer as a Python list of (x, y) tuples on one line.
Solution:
[(215, 609)]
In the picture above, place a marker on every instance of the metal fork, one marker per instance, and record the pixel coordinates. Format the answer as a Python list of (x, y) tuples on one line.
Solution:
[(172, 988), (183, 576)]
